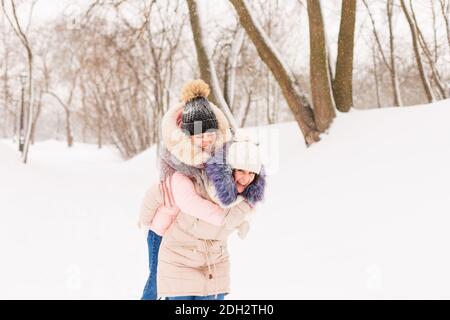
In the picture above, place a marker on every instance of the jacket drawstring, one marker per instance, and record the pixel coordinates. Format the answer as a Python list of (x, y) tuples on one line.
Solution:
[(208, 244)]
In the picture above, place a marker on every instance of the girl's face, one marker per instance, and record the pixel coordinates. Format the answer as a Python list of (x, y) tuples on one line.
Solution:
[(243, 178), (204, 140)]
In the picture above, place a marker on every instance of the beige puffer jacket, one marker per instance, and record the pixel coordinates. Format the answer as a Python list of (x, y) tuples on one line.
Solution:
[(193, 257)]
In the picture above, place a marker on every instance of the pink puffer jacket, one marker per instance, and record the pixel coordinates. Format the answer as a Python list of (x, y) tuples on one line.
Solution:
[(158, 210)]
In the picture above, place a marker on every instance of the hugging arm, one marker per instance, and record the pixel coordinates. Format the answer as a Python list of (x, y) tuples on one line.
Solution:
[(191, 203)]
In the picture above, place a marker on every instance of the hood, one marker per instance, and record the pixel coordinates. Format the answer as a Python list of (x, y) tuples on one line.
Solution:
[(180, 145)]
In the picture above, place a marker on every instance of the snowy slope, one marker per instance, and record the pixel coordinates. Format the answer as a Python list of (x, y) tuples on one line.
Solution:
[(68, 224), (363, 214)]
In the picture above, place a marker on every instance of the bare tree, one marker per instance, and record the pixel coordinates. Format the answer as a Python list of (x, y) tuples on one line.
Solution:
[(163, 40), (375, 74), (415, 43), (13, 20), (207, 68), (230, 66), (435, 37), (321, 90), (271, 23), (294, 95), (122, 102), (67, 108), (42, 77), (249, 94), (445, 11), (426, 50), (37, 112), (264, 100), (8, 111), (343, 80), (391, 66)]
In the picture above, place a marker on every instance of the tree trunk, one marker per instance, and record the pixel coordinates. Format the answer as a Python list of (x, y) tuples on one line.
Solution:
[(268, 95), (36, 117), (69, 136), (13, 21), (207, 69), (445, 10), (22, 121), (30, 105), (435, 40), (342, 83), (230, 82), (415, 42), (84, 112), (393, 71), (247, 109), (295, 97), (429, 56), (375, 74), (6, 104), (322, 97), (99, 133)]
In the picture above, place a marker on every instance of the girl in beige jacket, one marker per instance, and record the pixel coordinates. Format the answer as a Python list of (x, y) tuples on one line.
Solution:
[(190, 130)]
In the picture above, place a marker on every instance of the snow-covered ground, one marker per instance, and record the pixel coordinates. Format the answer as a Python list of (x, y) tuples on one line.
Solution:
[(362, 214)]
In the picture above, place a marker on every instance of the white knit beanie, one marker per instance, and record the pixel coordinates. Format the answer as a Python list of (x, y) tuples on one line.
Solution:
[(244, 154)]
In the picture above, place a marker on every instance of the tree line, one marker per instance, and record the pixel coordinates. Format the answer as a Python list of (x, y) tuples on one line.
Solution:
[(106, 73)]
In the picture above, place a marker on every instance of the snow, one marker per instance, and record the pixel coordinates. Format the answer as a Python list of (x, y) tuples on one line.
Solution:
[(68, 223), (363, 214)]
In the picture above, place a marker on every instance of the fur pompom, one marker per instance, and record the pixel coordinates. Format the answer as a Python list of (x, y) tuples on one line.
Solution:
[(194, 89)]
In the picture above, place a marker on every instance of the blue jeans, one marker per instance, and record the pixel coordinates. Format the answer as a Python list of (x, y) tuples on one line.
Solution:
[(153, 242), (220, 296)]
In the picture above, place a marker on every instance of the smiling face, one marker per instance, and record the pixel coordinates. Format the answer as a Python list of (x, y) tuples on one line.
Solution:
[(205, 140), (243, 179)]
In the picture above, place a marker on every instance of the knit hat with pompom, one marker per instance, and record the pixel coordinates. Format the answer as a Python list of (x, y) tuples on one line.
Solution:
[(198, 117)]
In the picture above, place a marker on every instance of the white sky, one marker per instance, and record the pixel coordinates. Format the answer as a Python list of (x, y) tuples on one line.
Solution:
[(47, 10)]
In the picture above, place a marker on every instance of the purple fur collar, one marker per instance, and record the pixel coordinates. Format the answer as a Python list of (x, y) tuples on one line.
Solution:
[(254, 193), (221, 176)]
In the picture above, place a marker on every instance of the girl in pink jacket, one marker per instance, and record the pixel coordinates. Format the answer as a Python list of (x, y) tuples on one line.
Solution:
[(189, 132), (224, 182)]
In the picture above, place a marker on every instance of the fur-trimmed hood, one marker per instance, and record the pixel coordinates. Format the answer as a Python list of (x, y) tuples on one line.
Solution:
[(181, 146), (220, 175)]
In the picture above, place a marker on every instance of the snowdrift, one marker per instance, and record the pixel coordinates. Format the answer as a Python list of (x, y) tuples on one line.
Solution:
[(362, 214)]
